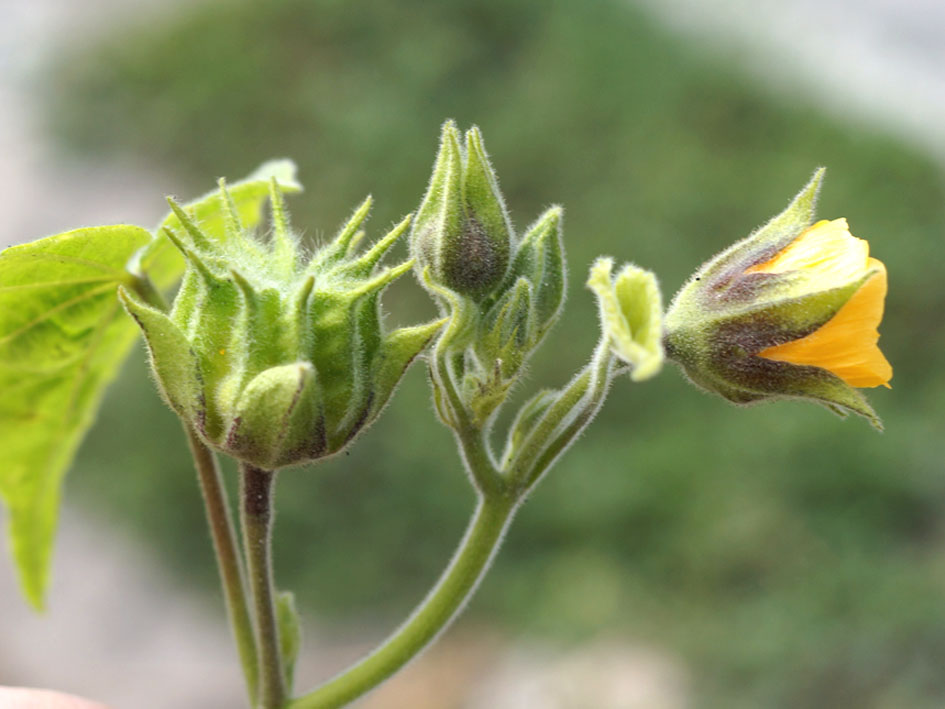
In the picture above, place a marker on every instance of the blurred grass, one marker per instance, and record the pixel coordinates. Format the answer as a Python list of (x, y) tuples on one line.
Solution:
[(792, 559)]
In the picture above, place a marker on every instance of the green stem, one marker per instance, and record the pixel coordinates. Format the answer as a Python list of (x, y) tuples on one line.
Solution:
[(575, 408), (228, 560), (431, 617), (472, 443), (256, 488)]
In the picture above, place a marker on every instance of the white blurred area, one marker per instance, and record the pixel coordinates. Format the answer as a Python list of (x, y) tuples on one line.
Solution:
[(42, 192), (120, 631), (878, 62)]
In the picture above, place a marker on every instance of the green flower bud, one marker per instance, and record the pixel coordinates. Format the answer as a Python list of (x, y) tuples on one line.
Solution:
[(502, 295), (540, 259), (273, 358), (631, 310), (462, 233), (790, 311)]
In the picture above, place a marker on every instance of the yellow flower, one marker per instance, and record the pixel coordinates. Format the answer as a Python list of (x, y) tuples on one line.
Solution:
[(790, 311), (847, 343)]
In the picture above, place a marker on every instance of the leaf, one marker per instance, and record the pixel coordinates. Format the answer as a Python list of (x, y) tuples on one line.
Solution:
[(163, 263), (62, 337)]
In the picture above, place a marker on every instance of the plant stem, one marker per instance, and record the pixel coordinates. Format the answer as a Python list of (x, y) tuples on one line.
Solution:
[(477, 459), (228, 560), (576, 406), (454, 588), (256, 488)]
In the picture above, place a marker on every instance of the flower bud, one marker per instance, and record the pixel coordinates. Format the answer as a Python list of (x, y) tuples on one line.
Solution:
[(515, 318), (502, 295), (790, 311), (275, 359), (529, 300), (540, 259), (462, 233)]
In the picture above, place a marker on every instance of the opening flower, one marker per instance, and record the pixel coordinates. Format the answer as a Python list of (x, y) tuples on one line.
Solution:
[(847, 343), (791, 311)]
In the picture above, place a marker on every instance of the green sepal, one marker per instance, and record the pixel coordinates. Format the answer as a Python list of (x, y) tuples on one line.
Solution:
[(345, 240), (440, 214), (290, 634), (540, 258), (464, 315), (488, 236), (164, 265), (630, 308), (774, 324), (398, 349), (758, 247), (363, 265), (754, 379), (283, 245), (506, 332), (173, 359), (278, 420)]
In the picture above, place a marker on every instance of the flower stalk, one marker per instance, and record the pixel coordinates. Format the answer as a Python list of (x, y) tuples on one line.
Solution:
[(442, 605), (279, 358), (225, 545), (256, 515)]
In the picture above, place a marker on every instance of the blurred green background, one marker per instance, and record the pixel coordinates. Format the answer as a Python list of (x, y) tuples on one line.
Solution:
[(790, 559)]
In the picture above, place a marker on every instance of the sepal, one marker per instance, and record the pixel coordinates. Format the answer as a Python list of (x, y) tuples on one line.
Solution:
[(278, 419), (720, 282), (398, 350), (630, 308), (540, 259), (172, 358)]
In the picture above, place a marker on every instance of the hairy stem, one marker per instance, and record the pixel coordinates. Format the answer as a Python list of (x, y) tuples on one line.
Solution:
[(473, 448), (565, 420), (228, 559), (443, 604), (256, 488)]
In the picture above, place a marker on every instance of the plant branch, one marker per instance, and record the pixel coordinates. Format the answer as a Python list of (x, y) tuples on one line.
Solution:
[(228, 560), (443, 604), (256, 488), (570, 414), (476, 456)]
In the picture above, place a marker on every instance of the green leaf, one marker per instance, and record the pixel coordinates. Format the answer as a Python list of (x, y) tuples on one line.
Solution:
[(163, 263), (62, 337)]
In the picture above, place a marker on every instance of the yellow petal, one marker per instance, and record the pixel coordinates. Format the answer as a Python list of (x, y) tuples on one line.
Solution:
[(824, 251), (847, 343)]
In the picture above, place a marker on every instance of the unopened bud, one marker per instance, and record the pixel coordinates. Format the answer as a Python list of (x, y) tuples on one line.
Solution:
[(462, 233), (273, 359)]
